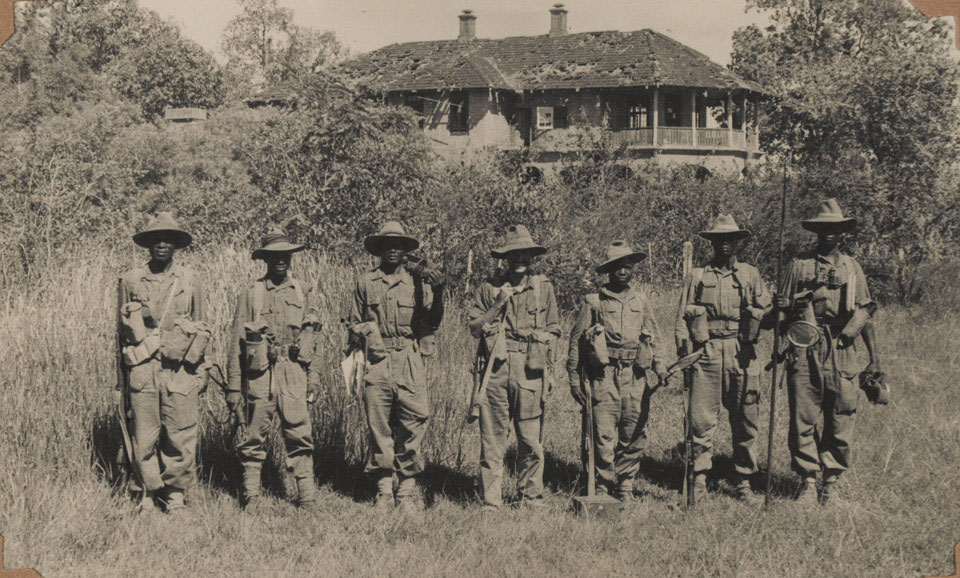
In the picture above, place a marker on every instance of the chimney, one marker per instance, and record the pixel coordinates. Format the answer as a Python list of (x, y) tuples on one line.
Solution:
[(558, 20), (468, 26)]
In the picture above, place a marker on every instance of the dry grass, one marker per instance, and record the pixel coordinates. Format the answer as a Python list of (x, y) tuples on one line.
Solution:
[(61, 511)]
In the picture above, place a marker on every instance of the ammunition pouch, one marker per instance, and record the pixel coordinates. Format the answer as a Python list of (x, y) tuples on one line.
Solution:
[(133, 328), (750, 318), (538, 351), (307, 342), (134, 355), (428, 344), (198, 347), (644, 358), (176, 341), (597, 352), (258, 341), (696, 318)]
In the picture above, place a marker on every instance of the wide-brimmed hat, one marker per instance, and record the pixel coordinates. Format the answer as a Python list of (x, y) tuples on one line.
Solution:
[(725, 226), (829, 216), (275, 241), (517, 238), (617, 252), (163, 225), (390, 233)]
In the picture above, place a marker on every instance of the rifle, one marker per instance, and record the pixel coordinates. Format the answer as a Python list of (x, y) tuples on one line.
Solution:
[(480, 388), (776, 338), (121, 396), (687, 494)]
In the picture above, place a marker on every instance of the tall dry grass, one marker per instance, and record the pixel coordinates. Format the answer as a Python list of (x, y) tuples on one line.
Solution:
[(61, 509)]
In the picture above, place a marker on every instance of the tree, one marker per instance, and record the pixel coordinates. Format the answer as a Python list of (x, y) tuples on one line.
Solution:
[(265, 47), (864, 105)]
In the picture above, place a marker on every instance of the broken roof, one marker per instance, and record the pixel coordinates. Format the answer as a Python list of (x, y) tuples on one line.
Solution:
[(569, 61)]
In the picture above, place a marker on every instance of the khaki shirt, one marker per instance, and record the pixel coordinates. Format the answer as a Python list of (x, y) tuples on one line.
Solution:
[(723, 293), (524, 312), (152, 290), (626, 320), (812, 272), (400, 306), (284, 309)]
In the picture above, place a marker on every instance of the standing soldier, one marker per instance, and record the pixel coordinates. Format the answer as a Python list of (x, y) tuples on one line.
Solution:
[(394, 317), (828, 288), (619, 316), (516, 317), (720, 311), (161, 304), (268, 368)]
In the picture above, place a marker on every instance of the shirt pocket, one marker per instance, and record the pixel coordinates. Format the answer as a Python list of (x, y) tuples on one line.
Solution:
[(405, 306), (632, 322), (293, 311), (709, 294)]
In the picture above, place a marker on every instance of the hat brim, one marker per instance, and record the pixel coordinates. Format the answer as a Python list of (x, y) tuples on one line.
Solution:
[(374, 244), (631, 257), (814, 225), (503, 252), (181, 239), (738, 234), (283, 247)]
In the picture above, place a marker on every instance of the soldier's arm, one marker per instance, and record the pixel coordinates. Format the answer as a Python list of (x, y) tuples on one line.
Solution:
[(355, 317), (234, 367), (580, 324), (480, 313), (682, 335), (198, 308), (434, 314), (870, 340), (553, 312), (650, 333), (311, 318)]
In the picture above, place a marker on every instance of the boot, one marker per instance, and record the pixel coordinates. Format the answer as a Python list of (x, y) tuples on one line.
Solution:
[(175, 500), (808, 492), (830, 494), (408, 495), (700, 486), (147, 504), (746, 495), (307, 494), (251, 485), (384, 499), (625, 490)]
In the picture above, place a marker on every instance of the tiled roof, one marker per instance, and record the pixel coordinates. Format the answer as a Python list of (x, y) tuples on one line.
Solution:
[(588, 59)]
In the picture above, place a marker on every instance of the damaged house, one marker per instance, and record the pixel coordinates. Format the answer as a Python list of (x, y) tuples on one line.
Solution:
[(553, 94)]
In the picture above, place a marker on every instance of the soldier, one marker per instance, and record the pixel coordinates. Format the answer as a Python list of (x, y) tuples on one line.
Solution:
[(270, 357), (394, 316), (516, 317), (720, 310), (159, 303), (828, 288), (621, 384)]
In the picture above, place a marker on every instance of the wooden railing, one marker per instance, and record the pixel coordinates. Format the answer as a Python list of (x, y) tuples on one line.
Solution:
[(634, 137), (675, 136), (713, 137), (683, 137)]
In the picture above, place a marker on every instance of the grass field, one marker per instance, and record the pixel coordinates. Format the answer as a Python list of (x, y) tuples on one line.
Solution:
[(61, 511)]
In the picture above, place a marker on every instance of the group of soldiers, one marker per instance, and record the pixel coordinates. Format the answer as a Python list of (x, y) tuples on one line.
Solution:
[(613, 362)]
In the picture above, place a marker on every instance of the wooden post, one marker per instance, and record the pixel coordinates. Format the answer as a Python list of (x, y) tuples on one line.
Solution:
[(730, 118), (656, 116), (693, 115), (469, 269)]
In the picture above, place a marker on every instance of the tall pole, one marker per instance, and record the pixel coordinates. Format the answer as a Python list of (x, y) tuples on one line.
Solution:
[(776, 338)]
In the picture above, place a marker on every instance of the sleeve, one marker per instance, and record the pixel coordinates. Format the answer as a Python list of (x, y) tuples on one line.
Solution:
[(477, 311), (789, 282), (680, 327), (580, 324), (553, 312), (234, 367), (650, 332), (863, 291), (198, 307), (311, 309), (359, 304), (434, 312), (761, 296)]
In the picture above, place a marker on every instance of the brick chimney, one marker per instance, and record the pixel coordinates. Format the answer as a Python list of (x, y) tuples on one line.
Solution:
[(468, 26), (558, 20)]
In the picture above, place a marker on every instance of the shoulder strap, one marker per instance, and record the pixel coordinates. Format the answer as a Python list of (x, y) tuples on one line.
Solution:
[(166, 306), (258, 289), (535, 283), (696, 278)]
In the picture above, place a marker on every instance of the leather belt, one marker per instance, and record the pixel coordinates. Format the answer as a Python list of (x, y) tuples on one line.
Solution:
[(723, 328), (622, 353), (397, 343), (516, 346)]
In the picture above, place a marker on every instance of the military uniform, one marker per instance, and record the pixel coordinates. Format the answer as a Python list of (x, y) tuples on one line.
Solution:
[(822, 379), (289, 310), (515, 392), (406, 314), (164, 393), (728, 374), (620, 398)]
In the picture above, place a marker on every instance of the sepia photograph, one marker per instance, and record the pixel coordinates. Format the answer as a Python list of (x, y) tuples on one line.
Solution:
[(496, 288)]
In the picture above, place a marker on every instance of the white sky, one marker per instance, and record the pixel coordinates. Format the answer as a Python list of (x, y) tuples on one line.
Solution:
[(363, 25)]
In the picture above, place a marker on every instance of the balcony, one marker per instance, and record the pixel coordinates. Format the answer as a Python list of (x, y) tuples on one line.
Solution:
[(686, 138)]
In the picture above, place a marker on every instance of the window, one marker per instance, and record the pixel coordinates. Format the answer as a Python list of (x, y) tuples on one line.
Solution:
[(459, 116), (637, 116), (671, 110), (544, 117)]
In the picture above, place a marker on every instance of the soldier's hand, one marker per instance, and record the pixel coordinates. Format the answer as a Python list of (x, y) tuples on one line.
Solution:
[(873, 367), (354, 340), (234, 398), (313, 390), (434, 278), (683, 346), (506, 292)]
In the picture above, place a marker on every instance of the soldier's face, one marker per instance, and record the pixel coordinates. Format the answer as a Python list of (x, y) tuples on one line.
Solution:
[(724, 247), (161, 250), (278, 264), (391, 255), (622, 275), (827, 241), (519, 262)]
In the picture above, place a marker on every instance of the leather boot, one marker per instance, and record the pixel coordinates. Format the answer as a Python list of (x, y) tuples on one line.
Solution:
[(830, 494), (384, 499), (175, 500), (251, 484), (746, 495), (808, 493), (307, 494), (408, 495)]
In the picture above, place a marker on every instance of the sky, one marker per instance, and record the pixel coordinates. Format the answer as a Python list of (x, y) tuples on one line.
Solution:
[(364, 25)]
